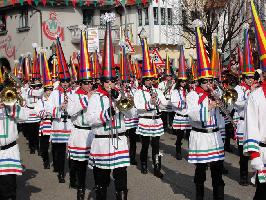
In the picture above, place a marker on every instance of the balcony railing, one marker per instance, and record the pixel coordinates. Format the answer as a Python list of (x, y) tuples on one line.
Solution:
[(75, 32)]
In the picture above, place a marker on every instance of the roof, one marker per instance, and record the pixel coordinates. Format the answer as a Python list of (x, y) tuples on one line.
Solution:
[(215, 4)]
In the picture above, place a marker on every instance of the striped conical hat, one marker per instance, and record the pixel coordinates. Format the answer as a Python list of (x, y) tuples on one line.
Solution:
[(248, 67), (182, 70)]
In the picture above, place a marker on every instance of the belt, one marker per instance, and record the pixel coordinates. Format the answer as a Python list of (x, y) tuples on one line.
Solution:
[(30, 107), (262, 144), (150, 117), (205, 130), (181, 115), (167, 98), (80, 127), (109, 136), (63, 117), (8, 146), (242, 118)]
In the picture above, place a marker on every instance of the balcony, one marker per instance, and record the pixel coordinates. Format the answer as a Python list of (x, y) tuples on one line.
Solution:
[(75, 33)]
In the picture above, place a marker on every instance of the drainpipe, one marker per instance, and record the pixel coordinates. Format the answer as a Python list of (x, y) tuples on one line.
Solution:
[(40, 12)]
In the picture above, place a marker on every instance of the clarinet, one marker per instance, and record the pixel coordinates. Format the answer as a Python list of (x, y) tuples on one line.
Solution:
[(152, 93), (65, 114)]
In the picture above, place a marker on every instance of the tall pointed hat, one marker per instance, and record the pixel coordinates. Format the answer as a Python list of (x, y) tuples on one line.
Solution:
[(260, 35), (96, 66), (240, 60), (46, 76), (248, 67), (35, 64), (108, 63), (73, 69), (147, 68), (85, 67), (63, 71), (215, 60), (20, 68), (15, 69), (27, 74), (1, 77), (124, 65), (155, 71), (167, 70), (182, 70), (194, 70), (204, 66), (54, 72)]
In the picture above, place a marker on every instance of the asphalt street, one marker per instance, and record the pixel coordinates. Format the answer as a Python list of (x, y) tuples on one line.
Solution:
[(39, 184)]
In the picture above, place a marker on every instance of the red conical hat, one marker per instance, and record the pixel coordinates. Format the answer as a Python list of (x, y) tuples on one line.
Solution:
[(96, 66), (85, 67), (182, 70), (35, 64), (27, 68), (124, 71), (108, 63), (46, 76), (194, 71), (260, 35), (215, 61), (147, 68), (204, 67), (248, 67), (63, 71), (73, 69)]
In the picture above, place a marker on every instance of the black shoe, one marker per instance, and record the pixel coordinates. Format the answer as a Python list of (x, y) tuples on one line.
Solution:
[(144, 169), (133, 162), (55, 170), (199, 191), (100, 192), (80, 194), (61, 178), (158, 173), (32, 151), (243, 181), (178, 156), (46, 165), (121, 195)]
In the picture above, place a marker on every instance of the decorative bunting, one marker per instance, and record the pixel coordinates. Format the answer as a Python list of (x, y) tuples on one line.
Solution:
[(14, 2), (36, 2), (74, 3), (44, 2), (29, 2), (21, 2), (66, 2)]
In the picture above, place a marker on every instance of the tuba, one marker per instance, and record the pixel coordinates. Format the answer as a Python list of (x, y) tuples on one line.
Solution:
[(9, 95)]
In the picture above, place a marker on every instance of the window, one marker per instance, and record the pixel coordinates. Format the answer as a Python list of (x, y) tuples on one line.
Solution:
[(162, 16), (87, 17), (140, 16), (146, 10), (2, 23), (155, 15), (23, 19), (184, 17), (169, 16)]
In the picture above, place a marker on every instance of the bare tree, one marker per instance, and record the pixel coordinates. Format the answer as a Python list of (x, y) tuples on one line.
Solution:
[(222, 17)]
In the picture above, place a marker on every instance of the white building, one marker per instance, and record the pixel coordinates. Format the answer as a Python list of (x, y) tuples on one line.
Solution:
[(20, 26)]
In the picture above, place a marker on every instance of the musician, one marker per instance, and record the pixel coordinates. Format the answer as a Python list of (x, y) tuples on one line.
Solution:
[(109, 149), (79, 143), (255, 137), (148, 101), (45, 128), (131, 122), (61, 125), (167, 86), (9, 150), (205, 142), (243, 91), (31, 125)]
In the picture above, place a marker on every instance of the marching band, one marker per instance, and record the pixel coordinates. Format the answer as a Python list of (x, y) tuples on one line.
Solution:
[(94, 117)]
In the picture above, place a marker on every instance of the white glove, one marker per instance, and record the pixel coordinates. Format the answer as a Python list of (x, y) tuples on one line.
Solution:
[(257, 163)]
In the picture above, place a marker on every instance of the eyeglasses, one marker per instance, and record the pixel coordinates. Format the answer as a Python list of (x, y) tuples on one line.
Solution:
[(249, 77), (108, 81), (86, 82), (205, 81), (65, 81), (36, 86), (48, 89)]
